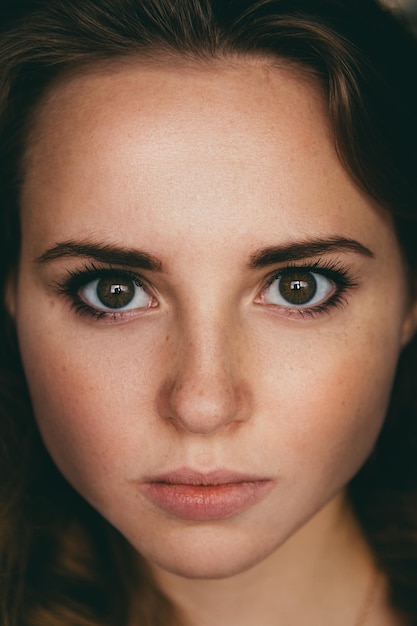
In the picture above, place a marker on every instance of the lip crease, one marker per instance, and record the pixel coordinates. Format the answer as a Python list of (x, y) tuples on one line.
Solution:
[(204, 496)]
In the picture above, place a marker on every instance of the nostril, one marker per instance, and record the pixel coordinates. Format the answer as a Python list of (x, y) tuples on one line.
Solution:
[(203, 405)]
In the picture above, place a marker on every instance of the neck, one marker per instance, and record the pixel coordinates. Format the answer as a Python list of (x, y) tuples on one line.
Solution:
[(324, 571)]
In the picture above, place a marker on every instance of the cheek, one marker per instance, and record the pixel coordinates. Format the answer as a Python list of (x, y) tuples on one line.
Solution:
[(94, 404), (326, 399)]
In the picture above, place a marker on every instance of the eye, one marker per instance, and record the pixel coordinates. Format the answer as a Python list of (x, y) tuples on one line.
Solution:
[(115, 293), (299, 288)]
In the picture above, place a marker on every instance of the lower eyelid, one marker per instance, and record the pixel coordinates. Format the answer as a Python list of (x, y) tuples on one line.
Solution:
[(85, 310), (77, 280), (336, 302), (339, 276)]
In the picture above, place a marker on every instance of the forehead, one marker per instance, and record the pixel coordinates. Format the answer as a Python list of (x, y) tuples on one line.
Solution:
[(251, 95), (109, 82), (214, 142)]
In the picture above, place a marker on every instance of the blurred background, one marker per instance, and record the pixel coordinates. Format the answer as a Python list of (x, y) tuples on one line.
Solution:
[(407, 6)]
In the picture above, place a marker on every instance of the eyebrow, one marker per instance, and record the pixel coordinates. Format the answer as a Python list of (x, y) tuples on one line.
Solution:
[(115, 255), (102, 252), (306, 249)]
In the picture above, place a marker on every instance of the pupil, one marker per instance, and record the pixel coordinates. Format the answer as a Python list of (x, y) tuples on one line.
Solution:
[(115, 295), (298, 287)]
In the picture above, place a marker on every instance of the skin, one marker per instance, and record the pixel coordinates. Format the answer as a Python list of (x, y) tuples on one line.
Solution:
[(201, 167)]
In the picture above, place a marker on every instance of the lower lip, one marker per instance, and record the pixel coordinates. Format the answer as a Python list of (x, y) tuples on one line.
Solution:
[(206, 502)]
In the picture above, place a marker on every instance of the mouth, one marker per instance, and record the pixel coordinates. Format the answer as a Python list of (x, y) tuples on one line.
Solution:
[(217, 495)]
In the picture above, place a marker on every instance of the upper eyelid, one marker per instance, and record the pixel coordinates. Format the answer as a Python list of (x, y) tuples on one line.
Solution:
[(333, 270), (78, 278), (88, 274), (329, 268)]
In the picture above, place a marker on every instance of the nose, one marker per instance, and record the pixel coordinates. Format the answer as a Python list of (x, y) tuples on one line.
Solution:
[(206, 392)]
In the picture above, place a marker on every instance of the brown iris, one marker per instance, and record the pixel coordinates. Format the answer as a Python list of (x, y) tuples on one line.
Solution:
[(297, 287), (115, 294)]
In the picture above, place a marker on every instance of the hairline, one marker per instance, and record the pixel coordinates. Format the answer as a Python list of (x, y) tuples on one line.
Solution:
[(149, 58)]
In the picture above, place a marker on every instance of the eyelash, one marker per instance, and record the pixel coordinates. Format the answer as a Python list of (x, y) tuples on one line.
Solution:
[(79, 278), (334, 271)]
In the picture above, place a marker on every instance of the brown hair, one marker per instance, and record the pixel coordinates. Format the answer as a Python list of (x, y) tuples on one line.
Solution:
[(61, 563)]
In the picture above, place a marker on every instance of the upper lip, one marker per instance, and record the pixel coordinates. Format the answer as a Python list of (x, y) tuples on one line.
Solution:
[(185, 476)]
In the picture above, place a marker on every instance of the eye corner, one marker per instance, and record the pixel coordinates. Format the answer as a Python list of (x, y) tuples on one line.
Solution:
[(306, 291), (107, 293)]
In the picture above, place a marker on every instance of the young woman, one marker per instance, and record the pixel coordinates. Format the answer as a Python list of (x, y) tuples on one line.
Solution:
[(207, 392)]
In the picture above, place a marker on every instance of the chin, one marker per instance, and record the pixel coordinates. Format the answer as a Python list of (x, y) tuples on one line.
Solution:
[(212, 569), (210, 557)]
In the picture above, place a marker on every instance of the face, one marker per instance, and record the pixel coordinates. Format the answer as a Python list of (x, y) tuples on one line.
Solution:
[(209, 311)]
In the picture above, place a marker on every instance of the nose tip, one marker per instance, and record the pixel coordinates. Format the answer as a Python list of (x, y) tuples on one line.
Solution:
[(203, 399)]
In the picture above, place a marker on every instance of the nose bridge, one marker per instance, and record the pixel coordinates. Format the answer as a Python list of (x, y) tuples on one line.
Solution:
[(206, 390)]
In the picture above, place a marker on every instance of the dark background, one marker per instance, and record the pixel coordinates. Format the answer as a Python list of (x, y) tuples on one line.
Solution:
[(409, 6)]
